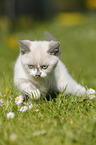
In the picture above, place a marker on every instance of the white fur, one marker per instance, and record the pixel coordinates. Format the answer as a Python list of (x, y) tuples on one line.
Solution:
[(55, 78)]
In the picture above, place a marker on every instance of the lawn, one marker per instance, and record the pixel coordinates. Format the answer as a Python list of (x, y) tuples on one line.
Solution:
[(66, 120)]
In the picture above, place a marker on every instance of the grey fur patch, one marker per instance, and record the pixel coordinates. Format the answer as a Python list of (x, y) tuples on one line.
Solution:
[(24, 46), (54, 48)]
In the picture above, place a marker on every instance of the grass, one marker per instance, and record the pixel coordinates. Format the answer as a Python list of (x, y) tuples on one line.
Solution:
[(66, 120)]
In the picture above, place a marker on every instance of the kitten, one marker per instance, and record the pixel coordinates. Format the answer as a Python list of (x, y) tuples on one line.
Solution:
[(38, 69)]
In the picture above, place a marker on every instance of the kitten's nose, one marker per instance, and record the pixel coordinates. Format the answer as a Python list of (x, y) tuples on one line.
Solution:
[(37, 76)]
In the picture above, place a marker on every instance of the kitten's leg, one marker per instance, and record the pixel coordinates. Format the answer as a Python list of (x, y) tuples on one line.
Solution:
[(64, 80), (72, 87), (76, 89), (79, 90), (28, 88)]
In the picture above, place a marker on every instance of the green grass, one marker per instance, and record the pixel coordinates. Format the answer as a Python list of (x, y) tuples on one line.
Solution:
[(66, 120)]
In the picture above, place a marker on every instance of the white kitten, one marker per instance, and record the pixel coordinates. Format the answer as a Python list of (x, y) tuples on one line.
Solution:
[(38, 69)]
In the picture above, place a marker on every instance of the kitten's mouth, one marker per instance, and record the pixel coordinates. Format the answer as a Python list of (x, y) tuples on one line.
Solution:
[(37, 77)]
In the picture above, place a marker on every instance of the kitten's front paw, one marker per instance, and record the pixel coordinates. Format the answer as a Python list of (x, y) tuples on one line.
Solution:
[(91, 93), (36, 94)]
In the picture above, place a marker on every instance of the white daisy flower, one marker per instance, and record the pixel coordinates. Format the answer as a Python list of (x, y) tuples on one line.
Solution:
[(10, 115), (19, 100), (91, 93), (23, 108)]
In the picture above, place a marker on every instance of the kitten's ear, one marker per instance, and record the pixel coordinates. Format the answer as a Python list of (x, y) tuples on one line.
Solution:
[(54, 48), (24, 46), (49, 36)]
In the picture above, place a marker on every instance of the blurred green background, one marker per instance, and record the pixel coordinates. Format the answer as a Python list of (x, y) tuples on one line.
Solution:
[(72, 22)]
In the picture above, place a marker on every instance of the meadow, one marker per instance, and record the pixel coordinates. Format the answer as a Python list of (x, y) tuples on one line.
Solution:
[(65, 120)]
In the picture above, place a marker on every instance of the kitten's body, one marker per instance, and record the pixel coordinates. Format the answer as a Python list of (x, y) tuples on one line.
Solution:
[(39, 69)]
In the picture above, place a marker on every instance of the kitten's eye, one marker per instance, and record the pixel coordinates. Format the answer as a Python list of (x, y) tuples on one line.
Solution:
[(31, 66), (44, 66)]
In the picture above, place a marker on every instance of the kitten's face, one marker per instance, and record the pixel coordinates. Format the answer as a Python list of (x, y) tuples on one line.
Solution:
[(37, 57)]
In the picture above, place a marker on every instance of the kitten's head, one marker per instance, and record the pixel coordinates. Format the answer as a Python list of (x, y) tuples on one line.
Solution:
[(39, 58)]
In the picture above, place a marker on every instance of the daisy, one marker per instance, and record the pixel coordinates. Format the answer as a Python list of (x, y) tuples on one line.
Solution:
[(92, 93), (23, 108), (19, 100), (10, 115)]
